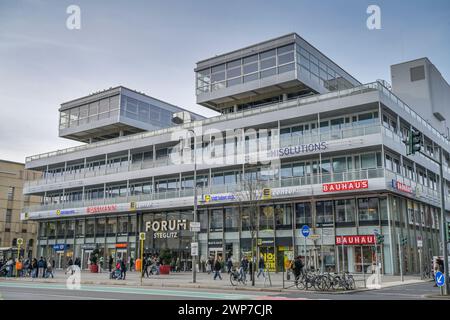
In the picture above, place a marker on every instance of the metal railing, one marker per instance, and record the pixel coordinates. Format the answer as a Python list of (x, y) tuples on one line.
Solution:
[(307, 180)]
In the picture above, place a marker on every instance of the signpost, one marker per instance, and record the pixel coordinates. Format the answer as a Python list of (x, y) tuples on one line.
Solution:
[(194, 249), (305, 232), (19, 243), (142, 239), (194, 226), (440, 280)]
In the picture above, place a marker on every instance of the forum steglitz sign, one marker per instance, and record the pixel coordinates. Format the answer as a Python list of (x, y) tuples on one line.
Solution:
[(166, 229)]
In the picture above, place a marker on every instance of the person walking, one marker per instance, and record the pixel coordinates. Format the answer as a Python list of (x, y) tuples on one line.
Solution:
[(19, 267), (41, 267), (34, 268), (131, 264), (217, 268), (123, 269), (298, 268), (229, 264), (145, 266), (49, 270), (261, 266), (243, 268), (110, 263)]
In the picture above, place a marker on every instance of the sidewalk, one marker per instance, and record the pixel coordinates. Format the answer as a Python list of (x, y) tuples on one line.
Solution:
[(205, 281)]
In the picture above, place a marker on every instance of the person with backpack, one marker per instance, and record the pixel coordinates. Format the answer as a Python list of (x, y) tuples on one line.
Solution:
[(41, 266), (243, 268), (298, 268)]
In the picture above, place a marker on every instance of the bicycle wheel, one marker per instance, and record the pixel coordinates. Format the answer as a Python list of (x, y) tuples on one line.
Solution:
[(234, 279), (299, 283), (351, 283)]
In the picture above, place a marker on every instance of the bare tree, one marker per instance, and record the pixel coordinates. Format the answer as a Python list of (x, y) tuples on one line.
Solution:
[(248, 195)]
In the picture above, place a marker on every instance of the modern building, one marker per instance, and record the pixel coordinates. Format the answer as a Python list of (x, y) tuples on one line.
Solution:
[(330, 154), (12, 201)]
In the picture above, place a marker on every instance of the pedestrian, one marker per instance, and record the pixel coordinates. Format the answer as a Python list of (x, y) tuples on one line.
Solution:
[(209, 265), (243, 268), (110, 263), (70, 266), (229, 264), (131, 264), (34, 268), (123, 269), (49, 270), (19, 266), (145, 266), (9, 267), (217, 268), (41, 267), (298, 268), (261, 266)]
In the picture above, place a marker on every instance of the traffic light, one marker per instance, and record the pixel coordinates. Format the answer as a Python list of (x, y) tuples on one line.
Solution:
[(404, 241), (414, 142), (380, 238)]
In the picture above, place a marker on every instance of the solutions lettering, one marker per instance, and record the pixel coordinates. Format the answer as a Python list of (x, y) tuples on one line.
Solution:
[(345, 186), (303, 148)]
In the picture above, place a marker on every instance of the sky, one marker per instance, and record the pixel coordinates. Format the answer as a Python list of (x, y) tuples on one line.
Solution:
[(153, 47)]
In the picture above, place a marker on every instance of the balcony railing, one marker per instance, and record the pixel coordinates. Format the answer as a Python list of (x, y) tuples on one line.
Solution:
[(216, 189), (166, 161)]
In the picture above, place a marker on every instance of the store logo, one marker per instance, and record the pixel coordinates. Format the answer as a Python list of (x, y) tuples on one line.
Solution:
[(267, 193), (60, 212), (140, 205), (99, 209), (211, 198), (401, 187), (303, 148), (355, 240), (345, 186), (166, 228)]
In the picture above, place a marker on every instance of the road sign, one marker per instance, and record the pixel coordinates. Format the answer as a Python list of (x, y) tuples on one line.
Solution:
[(194, 249), (440, 279), (305, 231), (19, 241), (194, 226), (314, 236), (141, 235), (419, 243)]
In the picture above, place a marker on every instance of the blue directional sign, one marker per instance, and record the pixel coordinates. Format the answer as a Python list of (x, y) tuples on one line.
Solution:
[(305, 231), (440, 279)]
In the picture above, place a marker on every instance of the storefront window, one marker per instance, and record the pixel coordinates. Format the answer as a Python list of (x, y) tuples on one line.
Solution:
[(384, 209), (79, 228), (70, 228), (303, 214), (90, 227), (216, 220), (111, 227), (283, 216), (231, 219), (324, 210), (43, 229), (60, 229), (100, 230), (132, 231), (368, 210), (123, 226), (266, 218), (345, 211), (203, 218), (248, 219), (51, 230)]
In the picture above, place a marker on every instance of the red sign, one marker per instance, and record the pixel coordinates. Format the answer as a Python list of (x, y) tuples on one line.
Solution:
[(355, 240), (121, 245), (401, 186), (345, 186), (105, 208)]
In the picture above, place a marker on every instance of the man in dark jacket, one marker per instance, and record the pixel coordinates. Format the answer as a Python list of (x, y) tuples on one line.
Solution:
[(110, 263), (217, 268), (261, 267), (41, 266), (123, 269), (298, 267)]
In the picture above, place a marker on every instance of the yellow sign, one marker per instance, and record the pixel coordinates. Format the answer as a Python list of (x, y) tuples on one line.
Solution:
[(259, 242), (267, 193), (133, 206), (19, 241), (142, 236), (269, 259), (58, 212), (207, 198)]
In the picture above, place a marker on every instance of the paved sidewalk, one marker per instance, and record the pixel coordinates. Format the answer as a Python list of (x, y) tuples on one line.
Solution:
[(205, 281)]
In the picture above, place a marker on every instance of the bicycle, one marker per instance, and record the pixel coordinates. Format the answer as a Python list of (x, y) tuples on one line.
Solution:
[(237, 277)]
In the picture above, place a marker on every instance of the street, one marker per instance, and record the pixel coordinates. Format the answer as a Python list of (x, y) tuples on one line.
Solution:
[(12, 290)]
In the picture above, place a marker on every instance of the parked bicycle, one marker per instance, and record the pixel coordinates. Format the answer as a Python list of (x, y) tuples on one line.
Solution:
[(237, 277), (325, 281)]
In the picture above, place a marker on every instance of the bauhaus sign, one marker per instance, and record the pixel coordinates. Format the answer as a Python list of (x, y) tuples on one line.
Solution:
[(355, 240), (345, 186)]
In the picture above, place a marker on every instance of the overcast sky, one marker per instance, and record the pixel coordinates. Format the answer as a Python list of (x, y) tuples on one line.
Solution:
[(152, 46)]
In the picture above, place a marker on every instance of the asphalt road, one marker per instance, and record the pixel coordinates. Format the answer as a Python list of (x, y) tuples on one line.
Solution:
[(54, 291)]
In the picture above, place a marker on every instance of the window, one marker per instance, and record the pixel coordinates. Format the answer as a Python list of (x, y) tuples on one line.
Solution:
[(123, 225), (283, 217), (90, 227), (266, 218), (368, 210), (324, 210), (231, 219), (345, 211), (8, 215), (216, 221), (417, 73), (303, 214), (10, 193)]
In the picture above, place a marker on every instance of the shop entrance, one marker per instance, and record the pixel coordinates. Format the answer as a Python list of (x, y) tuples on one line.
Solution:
[(216, 252), (121, 254), (60, 259), (85, 258), (357, 258)]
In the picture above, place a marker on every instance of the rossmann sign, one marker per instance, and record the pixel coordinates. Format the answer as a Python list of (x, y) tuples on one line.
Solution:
[(345, 186)]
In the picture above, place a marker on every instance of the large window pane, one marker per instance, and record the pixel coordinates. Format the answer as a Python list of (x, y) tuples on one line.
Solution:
[(324, 210), (231, 219), (345, 211), (303, 214), (368, 210), (216, 221)]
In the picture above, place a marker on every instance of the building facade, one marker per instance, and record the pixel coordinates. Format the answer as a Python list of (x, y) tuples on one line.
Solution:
[(12, 201), (299, 142)]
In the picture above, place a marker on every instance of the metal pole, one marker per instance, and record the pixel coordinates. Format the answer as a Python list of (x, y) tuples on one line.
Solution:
[(142, 259), (443, 223), (400, 258), (194, 258), (343, 256), (420, 264)]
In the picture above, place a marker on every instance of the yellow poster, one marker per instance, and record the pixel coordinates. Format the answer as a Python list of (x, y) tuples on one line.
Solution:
[(269, 259)]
